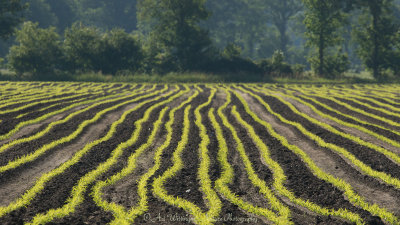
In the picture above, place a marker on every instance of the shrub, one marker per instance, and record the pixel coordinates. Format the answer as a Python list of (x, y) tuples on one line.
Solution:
[(335, 65), (277, 67), (38, 52), (82, 48), (121, 52), (88, 49)]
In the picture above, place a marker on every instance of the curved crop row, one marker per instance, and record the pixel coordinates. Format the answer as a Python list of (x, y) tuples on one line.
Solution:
[(340, 184), (279, 176), (390, 122), (358, 94), (158, 184), (228, 173), (76, 197), (369, 106), (30, 157), (70, 117), (386, 178), (122, 216), (43, 117), (39, 185), (56, 99), (387, 153), (344, 123), (43, 96)]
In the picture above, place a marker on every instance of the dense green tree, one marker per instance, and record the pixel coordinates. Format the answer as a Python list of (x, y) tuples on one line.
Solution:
[(242, 23), (323, 18), (40, 11), (121, 52), (38, 51), (280, 13), (376, 35), (88, 49), (10, 16), (65, 11), (82, 46), (107, 14), (173, 28)]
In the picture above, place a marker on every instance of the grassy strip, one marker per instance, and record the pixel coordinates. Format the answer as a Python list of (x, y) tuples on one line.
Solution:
[(362, 94), (280, 177), (267, 192), (25, 199), (386, 178), (390, 106), (41, 102), (367, 105), (158, 184), (28, 95), (348, 106), (391, 155), (68, 118), (32, 156), (76, 197), (61, 103), (54, 91), (121, 215), (392, 142), (213, 201), (227, 174), (353, 197), (41, 118)]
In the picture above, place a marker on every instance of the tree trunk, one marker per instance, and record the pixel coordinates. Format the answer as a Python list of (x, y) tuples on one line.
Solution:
[(321, 49), (375, 39), (283, 37)]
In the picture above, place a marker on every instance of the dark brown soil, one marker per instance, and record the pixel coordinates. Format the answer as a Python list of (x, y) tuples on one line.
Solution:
[(355, 114), (58, 189), (301, 181), (374, 159), (56, 132), (186, 183), (378, 130), (370, 110)]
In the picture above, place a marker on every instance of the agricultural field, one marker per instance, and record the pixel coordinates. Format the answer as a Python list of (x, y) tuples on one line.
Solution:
[(92, 153)]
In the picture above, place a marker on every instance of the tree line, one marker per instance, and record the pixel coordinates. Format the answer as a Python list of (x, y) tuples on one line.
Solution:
[(259, 37)]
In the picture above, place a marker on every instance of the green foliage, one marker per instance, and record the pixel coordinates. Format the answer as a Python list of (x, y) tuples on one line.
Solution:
[(39, 11), (121, 52), (174, 31), (280, 13), (376, 36), (10, 16), (38, 51), (88, 49), (277, 67), (322, 20), (334, 66), (82, 48), (107, 14), (232, 51)]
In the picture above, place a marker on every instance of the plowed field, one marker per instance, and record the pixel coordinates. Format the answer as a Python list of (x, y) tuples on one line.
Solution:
[(89, 153)]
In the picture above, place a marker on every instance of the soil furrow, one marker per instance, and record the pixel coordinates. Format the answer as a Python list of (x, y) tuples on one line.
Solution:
[(58, 189), (300, 179), (355, 114), (375, 129), (56, 132), (375, 160), (342, 128)]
